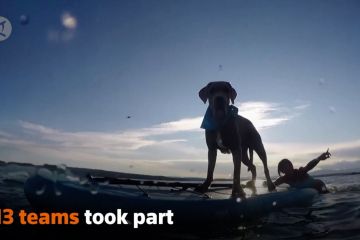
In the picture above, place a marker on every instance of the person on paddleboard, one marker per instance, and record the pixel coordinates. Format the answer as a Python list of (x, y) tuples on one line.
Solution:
[(299, 178)]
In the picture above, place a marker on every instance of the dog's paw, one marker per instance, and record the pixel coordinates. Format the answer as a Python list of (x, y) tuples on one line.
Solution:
[(203, 187), (238, 196), (238, 192), (200, 189), (250, 184), (271, 186)]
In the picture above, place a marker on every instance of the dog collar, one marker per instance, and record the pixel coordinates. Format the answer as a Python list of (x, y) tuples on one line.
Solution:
[(209, 123)]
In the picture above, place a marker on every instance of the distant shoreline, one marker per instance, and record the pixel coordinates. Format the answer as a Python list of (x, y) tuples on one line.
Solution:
[(105, 173)]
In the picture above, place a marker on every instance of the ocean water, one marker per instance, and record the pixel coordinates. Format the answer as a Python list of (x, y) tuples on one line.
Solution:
[(332, 216)]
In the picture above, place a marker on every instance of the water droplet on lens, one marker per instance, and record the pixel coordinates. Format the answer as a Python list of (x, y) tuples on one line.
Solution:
[(238, 200), (332, 109), (241, 228), (57, 192), (274, 203), (24, 19), (322, 81), (41, 190)]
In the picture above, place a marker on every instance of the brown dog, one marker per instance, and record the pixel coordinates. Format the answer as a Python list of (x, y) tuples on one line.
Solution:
[(229, 132)]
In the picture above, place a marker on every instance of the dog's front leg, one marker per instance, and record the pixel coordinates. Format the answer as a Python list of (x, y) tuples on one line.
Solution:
[(237, 190), (210, 172), (212, 153)]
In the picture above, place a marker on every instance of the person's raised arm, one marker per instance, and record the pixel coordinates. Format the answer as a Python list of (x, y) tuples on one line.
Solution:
[(314, 162)]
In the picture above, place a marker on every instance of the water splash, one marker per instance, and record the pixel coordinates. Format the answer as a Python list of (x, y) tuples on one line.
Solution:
[(83, 181), (73, 178), (61, 167), (18, 176), (46, 173), (105, 183), (344, 188), (94, 189)]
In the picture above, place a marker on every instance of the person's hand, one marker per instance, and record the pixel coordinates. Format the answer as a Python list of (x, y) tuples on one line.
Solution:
[(325, 155)]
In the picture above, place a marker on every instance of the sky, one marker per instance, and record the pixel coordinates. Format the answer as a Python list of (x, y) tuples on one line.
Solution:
[(73, 71)]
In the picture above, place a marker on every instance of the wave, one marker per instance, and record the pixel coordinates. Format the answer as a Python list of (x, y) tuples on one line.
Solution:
[(344, 188)]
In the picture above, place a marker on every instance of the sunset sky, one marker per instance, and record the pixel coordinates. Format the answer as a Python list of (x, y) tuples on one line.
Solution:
[(72, 73)]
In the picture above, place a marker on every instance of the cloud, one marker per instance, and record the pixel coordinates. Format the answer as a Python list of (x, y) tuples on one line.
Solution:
[(186, 124), (302, 106), (159, 144), (4, 134), (134, 139), (263, 114)]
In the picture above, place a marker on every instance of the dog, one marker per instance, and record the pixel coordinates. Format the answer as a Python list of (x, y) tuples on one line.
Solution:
[(231, 133)]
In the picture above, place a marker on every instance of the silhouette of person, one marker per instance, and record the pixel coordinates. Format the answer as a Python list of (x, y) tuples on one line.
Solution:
[(299, 178)]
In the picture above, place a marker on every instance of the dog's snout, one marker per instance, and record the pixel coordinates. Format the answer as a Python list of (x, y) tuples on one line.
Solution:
[(219, 103)]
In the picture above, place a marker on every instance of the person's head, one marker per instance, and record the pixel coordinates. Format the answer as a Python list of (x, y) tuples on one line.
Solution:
[(285, 166)]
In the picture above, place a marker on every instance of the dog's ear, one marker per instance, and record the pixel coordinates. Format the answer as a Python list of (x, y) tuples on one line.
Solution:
[(232, 93), (204, 93)]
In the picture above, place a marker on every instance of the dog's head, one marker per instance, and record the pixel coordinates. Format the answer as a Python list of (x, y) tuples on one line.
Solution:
[(219, 95)]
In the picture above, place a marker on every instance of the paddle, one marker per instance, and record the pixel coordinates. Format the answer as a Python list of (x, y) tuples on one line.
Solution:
[(127, 181)]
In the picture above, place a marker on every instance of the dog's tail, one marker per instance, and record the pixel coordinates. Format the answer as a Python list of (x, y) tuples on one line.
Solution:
[(251, 154)]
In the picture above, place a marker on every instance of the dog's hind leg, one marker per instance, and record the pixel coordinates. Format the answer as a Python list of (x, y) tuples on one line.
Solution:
[(249, 162)]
